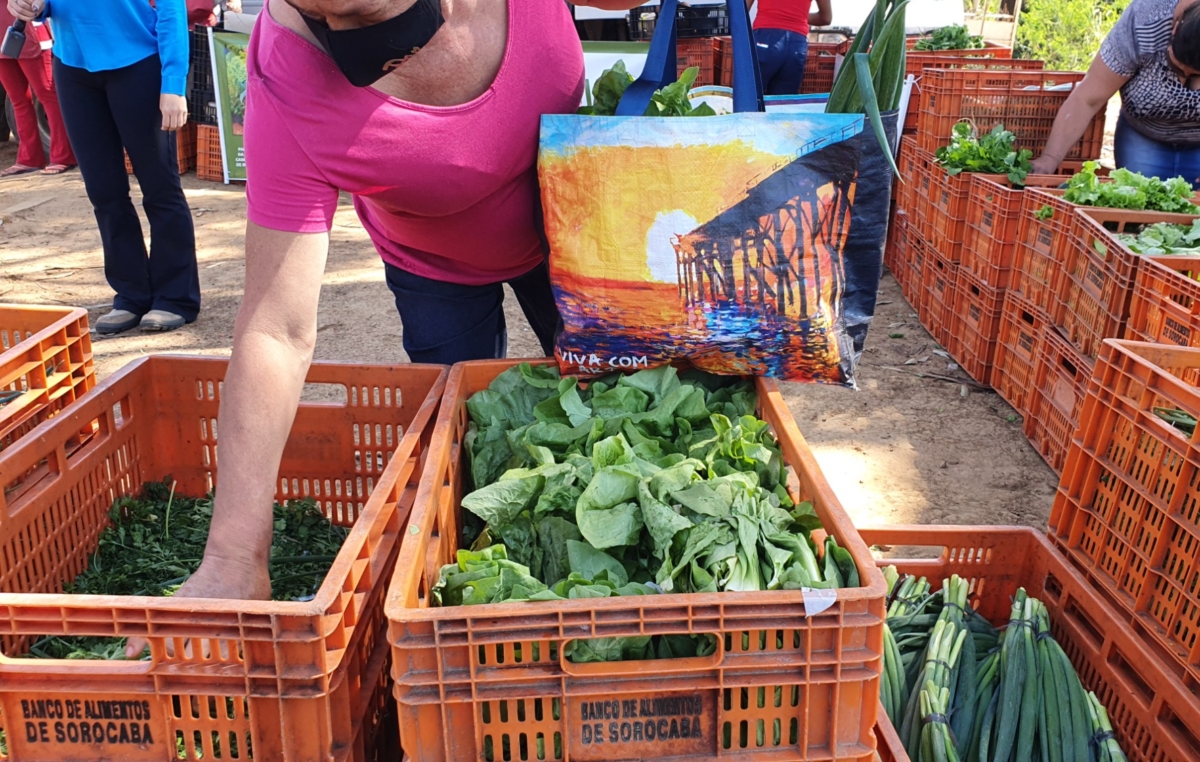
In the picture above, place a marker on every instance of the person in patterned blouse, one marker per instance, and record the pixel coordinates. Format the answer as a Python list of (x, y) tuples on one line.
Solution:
[(1152, 55)]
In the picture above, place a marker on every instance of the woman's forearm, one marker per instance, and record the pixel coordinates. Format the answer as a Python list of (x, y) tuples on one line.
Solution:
[(1072, 120), (259, 399), (273, 341)]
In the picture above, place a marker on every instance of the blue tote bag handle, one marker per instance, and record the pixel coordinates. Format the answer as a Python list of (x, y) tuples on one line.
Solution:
[(661, 70)]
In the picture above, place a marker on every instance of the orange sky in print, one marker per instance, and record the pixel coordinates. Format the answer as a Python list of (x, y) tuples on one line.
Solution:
[(621, 211)]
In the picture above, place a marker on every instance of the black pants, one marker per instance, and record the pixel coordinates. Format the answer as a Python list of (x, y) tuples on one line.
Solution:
[(104, 112), (446, 323)]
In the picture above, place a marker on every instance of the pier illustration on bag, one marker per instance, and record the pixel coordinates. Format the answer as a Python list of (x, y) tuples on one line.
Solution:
[(722, 246)]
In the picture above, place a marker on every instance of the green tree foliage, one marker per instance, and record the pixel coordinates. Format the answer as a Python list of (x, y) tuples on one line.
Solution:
[(1065, 33)]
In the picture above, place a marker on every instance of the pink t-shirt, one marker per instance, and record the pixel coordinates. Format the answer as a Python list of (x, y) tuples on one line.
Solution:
[(448, 193)]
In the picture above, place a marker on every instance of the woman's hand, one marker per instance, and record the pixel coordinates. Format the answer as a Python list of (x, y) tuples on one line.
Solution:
[(1044, 165), (26, 10), (173, 107)]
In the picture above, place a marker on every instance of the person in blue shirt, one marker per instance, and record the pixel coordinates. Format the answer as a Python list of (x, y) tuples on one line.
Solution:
[(121, 67)]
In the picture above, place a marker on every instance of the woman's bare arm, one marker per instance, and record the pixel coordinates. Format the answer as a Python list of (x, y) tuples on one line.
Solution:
[(273, 342), (1085, 101)]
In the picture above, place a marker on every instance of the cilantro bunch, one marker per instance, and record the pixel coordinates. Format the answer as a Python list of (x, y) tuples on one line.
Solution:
[(156, 541), (995, 154), (671, 100), (950, 38), (1130, 190)]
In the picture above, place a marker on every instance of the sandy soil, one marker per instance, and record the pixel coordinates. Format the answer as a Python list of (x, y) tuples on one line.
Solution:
[(902, 449)]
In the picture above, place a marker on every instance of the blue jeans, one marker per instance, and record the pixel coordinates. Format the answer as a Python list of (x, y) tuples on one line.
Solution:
[(781, 58), (1138, 153), (445, 323)]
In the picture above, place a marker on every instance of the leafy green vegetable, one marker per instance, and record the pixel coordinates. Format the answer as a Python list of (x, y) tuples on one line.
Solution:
[(607, 91), (156, 541), (1045, 213), (671, 100), (1130, 190), (955, 37), (994, 153), (629, 485), (1164, 239)]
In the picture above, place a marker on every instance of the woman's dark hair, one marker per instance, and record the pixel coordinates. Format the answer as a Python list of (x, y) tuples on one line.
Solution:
[(1185, 43)]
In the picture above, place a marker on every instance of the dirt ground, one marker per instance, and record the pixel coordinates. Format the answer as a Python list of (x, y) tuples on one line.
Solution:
[(902, 449)]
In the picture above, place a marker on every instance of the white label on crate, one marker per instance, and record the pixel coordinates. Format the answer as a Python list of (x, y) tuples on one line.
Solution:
[(817, 601)]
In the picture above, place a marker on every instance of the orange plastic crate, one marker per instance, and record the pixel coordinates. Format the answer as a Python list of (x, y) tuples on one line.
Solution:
[(913, 187), (1155, 716), (1025, 102), (210, 165), (977, 311), (1040, 252), (289, 680), (700, 52), (1099, 273), (185, 150), (1060, 384), (462, 688), (913, 285), (938, 282), (989, 48), (1165, 307), (921, 215), (917, 62), (994, 224), (948, 195), (820, 64), (1128, 506), (895, 253), (1018, 347), (45, 365)]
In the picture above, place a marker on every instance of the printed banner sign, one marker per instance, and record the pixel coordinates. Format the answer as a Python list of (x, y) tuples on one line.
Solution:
[(228, 51)]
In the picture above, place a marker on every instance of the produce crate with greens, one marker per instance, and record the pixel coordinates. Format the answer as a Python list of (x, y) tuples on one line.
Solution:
[(93, 554), (1015, 656), (1101, 265), (657, 539), (953, 37), (994, 153), (1026, 101), (156, 541), (1165, 307), (633, 485), (1123, 189)]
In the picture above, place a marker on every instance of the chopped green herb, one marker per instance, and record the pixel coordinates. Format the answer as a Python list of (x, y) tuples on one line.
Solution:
[(156, 542)]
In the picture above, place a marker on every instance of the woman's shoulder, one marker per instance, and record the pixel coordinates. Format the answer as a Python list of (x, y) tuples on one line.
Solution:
[(1146, 13)]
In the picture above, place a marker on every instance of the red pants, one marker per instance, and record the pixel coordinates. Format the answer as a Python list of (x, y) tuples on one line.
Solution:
[(19, 76)]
